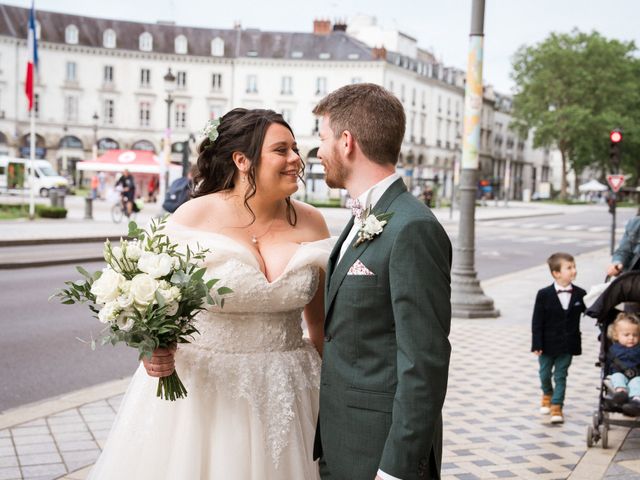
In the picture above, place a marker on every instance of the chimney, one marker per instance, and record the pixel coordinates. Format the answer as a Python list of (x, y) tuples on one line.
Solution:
[(379, 53), (321, 27), (340, 26)]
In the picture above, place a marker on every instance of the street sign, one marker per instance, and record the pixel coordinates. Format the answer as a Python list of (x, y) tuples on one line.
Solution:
[(615, 182)]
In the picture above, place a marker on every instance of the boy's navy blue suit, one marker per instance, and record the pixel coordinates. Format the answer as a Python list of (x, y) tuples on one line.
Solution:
[(556, 331)]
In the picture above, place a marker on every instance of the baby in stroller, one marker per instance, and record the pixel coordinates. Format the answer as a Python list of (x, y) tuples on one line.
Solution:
[(624, 361)]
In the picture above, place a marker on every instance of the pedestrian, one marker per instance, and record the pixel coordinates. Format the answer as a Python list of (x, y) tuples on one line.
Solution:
[(627, 256), (427, 196), (102, 184), (624, 359), (386, 353), (152, 188), (555, 329), (95, 185)]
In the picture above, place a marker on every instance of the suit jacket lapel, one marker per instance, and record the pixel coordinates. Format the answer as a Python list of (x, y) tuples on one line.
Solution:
[(353, 253), (335, 253)]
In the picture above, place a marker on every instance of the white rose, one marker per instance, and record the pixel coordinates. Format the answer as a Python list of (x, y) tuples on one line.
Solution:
[(172, 309), (125, 321), (143, 289), (134, 252), (125, 300), (156, 265), (373, 226), (109, 312), (117, 252), (106, 288)]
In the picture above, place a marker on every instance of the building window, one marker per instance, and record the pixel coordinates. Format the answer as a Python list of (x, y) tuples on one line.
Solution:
[(413, 97), (216, 81), (391, 86), (181, 80), (145, 77), (321, 86), (181, 115), (108, 74), (252, 84), (38, 29), (217, 47), (71, 72), (215, 111), (181, 45), (316, 126), (286, 88), (402, 93), (146, 42), (109, 39), (109, 112), (145, 114), (71, 34), (71, 108)]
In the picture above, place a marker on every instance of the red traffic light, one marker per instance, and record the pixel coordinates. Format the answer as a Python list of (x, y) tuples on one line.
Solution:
[(615, 136)]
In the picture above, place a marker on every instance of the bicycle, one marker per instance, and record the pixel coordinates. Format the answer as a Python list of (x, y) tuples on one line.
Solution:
[(119, 210)]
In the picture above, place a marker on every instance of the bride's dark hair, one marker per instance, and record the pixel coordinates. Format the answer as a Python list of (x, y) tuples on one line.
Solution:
[(240, 130)]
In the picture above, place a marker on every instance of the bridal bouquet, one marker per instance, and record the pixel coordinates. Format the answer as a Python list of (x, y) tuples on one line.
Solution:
[(148, 295)]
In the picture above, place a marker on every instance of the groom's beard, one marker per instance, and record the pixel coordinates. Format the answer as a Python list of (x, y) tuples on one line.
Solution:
[(335, 171)]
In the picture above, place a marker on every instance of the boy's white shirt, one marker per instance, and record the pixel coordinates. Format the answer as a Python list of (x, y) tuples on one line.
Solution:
[(564, 297)]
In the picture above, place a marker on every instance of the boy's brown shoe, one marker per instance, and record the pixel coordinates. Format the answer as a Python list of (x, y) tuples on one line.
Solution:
[(556, 414), (545, 406)]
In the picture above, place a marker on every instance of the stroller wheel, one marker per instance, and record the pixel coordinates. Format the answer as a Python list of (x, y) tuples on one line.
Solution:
[(605, 436), (589, 436)]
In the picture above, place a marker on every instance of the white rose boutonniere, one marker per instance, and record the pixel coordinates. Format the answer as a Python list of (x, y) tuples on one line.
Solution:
[(370, 225)]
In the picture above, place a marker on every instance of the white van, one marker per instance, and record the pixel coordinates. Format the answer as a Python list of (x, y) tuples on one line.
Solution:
[(14, 176)]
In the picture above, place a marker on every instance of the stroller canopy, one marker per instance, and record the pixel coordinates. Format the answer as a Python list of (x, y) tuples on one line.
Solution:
[(625, 288)]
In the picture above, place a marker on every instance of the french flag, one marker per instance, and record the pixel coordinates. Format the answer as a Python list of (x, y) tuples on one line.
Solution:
[(32, 62)]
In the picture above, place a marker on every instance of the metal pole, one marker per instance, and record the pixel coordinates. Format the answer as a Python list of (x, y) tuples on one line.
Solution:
[(467, 298), (32, 162), (613, 223)]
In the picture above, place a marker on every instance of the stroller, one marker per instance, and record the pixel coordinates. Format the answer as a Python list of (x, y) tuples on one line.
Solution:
[(625, 288)]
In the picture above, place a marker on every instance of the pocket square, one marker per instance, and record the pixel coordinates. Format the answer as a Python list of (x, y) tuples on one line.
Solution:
[(359, 268)]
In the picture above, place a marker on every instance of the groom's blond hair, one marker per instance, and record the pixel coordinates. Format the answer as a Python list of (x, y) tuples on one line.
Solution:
[(374, 116)]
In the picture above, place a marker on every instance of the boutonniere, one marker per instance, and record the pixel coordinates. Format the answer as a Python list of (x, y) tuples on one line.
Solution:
[(370, 225)]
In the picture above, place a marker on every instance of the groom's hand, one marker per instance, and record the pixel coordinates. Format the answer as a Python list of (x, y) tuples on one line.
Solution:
[(162, 362)]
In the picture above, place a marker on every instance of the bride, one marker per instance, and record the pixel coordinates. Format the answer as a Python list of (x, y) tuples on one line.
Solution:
[(252, 379)]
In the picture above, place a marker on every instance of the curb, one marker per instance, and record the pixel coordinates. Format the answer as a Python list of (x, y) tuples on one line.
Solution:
[(50, 406)]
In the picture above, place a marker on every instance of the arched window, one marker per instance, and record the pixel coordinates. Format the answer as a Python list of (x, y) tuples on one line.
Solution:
[(146, 42), (71, 34), (181, 44), (217, 47), (109, 39), (37, 29)]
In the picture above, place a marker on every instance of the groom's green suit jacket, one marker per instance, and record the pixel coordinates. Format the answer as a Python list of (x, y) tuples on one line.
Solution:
[(386, 352)]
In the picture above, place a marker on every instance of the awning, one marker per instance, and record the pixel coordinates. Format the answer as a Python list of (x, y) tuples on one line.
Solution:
[(593, 186), (136, 161)]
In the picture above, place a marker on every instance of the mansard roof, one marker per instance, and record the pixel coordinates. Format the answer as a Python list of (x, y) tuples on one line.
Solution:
[(237, 42)]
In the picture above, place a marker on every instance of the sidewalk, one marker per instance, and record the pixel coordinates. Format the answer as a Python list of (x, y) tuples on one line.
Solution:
[(492, 425)]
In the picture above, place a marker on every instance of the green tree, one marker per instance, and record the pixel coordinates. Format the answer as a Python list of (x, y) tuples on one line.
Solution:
[(572, 89)]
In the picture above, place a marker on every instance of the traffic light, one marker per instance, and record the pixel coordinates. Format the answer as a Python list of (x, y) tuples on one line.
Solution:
[(615, 143)]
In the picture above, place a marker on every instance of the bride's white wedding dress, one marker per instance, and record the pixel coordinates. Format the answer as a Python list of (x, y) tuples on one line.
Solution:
[(252, 381)]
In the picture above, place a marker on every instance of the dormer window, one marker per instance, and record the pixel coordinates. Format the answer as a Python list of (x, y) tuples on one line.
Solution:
[(217, 47), (181, 44), (146, 42), (71, 34), (109, 39)]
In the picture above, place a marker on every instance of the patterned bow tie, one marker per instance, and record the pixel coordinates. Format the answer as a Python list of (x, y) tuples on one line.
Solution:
[(569, 290), (356, 208)]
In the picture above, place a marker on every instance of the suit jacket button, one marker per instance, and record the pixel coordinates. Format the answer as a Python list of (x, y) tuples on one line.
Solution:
[(327, 338)]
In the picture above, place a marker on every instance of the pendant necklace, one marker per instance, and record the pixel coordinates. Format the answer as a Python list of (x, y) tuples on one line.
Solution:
[(255, 238)]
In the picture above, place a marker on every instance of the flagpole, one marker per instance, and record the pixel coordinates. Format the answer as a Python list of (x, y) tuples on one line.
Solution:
[(32, 158)]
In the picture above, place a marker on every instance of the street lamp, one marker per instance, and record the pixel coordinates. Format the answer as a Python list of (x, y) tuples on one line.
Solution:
[(95, 135), (169, 87)]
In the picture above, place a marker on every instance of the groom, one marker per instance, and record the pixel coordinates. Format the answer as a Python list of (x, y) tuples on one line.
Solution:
[(387, 303)]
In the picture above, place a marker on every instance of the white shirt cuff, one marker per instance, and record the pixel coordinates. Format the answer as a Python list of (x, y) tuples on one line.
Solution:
[(386, 476)]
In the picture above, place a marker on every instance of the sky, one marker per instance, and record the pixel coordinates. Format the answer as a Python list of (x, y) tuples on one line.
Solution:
[(441, 26)]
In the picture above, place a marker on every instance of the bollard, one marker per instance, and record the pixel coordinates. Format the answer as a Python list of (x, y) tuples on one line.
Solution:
[(53, 196), (88, 208), (61, 195)]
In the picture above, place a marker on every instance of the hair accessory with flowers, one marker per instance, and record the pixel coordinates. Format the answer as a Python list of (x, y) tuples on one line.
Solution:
[(210, 130)]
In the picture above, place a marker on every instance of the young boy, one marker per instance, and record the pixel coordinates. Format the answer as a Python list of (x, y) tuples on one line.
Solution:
[(555, 329)]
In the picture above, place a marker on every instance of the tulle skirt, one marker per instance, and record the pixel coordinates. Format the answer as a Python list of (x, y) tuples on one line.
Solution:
[(208, 435)]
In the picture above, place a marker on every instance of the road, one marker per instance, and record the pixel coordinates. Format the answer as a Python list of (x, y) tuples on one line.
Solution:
[(42, 357)]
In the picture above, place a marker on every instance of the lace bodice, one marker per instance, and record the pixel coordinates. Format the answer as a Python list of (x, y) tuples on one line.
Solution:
[(253, 348)]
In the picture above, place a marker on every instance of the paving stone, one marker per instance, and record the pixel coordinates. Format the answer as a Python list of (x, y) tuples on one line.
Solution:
[(39, 458), (49, 447), (77, 446), (29, 431), (11, 473), (33, 439), (8, 462), (48, 471)]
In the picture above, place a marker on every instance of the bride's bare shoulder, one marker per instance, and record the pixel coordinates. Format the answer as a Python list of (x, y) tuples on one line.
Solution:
[(197, 212), (311, 221)]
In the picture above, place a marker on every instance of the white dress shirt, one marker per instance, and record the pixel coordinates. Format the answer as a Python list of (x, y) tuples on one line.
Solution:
[(564, 297), (368, 199)]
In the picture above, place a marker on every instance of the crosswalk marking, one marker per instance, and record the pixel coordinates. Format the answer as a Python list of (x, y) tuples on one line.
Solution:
[(575, 227), (597, 229), (551, 226)]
